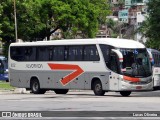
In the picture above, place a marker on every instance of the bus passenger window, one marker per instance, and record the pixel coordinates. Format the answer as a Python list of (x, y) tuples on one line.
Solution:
[(106, 52), (75, 53), (30, 53), (58, 53), (91, 53), (17, 53), (42, 54)]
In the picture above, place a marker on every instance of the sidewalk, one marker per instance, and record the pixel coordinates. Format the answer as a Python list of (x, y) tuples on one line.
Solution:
[(16, 90)]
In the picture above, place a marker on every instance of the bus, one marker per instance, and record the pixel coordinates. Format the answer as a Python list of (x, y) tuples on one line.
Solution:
[(155, 68), (100, 64), (3, 69)]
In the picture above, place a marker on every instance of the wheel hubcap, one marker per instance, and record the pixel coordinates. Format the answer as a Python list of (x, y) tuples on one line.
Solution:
[(98, 87), (35, 86)]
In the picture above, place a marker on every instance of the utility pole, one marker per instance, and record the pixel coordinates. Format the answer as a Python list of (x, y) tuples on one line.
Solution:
[(15, 20)]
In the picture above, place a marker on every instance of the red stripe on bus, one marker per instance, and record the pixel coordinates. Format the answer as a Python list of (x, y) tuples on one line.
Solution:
[(68, 78), (132, 79)]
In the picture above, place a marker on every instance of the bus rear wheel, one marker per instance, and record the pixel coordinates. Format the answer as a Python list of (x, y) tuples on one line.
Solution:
[(35, 87), (97, 88), (125, 93), (61, 91)]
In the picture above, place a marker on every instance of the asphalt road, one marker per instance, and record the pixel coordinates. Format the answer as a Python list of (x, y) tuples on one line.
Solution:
[(80, 101)]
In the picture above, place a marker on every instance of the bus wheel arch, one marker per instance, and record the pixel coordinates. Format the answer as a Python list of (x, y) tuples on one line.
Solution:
[(96, 86), (35, 86)]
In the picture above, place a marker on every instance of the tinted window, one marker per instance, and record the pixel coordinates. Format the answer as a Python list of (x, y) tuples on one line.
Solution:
[(91, 53), (55, 53), (42, 53), (29, 53), (17, 53), (58, 53), (75, 53), (106, 52)]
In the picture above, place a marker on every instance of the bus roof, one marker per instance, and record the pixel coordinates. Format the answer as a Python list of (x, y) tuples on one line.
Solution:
[(119, 43)]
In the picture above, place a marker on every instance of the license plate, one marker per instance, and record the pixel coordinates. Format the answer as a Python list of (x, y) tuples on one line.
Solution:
[(139, 87)]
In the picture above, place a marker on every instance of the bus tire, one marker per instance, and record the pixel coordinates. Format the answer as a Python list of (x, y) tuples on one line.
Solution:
[(35, 87), (125, 93), (97, 88), (61, 91)]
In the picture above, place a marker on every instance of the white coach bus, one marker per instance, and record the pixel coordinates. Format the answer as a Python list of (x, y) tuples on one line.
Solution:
[(155, 68), (101, 65)]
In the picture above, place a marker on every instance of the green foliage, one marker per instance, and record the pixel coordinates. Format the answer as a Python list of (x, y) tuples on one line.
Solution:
[(0, 16), (7, 21), (6, 86), (153, 44), (112, 27), (151, 27), (37, 19)]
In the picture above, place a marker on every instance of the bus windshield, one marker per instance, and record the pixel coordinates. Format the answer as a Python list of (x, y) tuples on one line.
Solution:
[(135, 63)]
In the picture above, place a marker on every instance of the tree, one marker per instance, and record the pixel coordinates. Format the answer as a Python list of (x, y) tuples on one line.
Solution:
[(150, 28), (72, 16), (0, 24), (113, 27), (37, 19), (117, 29), (6, 20)]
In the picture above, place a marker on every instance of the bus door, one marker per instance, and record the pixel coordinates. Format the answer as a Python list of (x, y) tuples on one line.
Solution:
[(115, 60)]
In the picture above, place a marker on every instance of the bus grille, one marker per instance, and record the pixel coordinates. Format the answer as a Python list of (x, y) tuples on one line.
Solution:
[(140, 83)]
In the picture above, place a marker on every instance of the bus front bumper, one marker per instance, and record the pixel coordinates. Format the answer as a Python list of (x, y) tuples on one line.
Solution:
[(126, 86)]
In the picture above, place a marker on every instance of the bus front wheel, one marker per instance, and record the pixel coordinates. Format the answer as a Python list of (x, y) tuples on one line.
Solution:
[(125, 93), (35, 87), (97, 88), (61, 91)]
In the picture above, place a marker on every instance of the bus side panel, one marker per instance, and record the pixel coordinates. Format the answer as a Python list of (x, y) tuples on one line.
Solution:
[(78, 82), (14, 76), (105, 80), (45, 78), (156, 79), (156, 76), (114, 82), (102, 76), (19, 78), (50, 79), (58, 77), (87, 80)]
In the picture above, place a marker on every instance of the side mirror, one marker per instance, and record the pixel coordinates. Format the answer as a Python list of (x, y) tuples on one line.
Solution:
[(120, 56), (150, 56)]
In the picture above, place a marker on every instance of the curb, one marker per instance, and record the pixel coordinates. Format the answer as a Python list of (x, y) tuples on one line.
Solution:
[(16, 91), (24, 91)]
